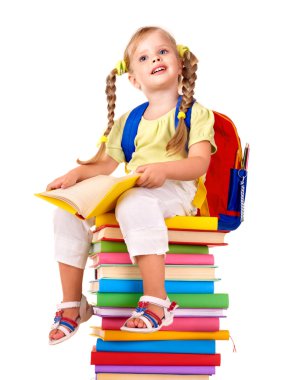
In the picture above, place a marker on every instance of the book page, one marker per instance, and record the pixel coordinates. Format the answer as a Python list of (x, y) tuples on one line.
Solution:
[(84, 196)]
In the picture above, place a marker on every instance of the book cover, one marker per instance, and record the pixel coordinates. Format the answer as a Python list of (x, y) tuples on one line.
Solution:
[(125, 312), (161, 359), (201, 301), (170, 258), (179, 222), (159, 346), (118, 335), (175, 370), (110, 285), (113, 246), (91, 197), (135, 376), (179, 324), (172, 272), (174, 236)]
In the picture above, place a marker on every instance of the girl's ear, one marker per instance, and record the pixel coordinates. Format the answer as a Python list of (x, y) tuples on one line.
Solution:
[(134, 82)]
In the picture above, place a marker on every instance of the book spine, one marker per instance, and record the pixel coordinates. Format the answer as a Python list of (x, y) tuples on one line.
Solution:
[(112, 246), (166, 346), (196, 301), (136, 286), (121, 358), (179, 324), (181, 370), (170, 259)]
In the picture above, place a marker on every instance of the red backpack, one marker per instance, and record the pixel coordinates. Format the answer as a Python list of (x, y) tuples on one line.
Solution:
[(223, 193)]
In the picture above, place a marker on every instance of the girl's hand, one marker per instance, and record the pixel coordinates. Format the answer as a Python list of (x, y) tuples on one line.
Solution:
[(153, 175), (64, 181)]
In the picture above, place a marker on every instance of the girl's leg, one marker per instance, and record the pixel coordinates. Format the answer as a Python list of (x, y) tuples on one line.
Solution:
[(72, 242), (141, 213), (153, 273), (71, 282)]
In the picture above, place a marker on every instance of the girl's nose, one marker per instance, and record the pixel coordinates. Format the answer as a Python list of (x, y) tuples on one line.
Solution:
[(156, 59)]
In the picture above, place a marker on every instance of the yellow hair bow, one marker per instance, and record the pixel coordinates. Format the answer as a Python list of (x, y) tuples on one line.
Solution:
[(181, 50), (121, 67), (103, 139)]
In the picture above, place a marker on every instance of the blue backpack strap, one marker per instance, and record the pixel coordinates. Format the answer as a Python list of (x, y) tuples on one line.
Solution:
[(132, 124), (131, 129), (188, 113)]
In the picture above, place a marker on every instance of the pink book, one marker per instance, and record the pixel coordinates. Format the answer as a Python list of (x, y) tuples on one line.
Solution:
[(179, 324), (171, 258)]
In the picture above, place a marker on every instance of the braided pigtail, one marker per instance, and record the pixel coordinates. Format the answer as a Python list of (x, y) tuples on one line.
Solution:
[(178, 141), (111, 100)]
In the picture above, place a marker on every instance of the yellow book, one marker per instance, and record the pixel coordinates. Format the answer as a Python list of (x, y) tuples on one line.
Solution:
[(91, 197), (147, 376), (209, 223), (119, 335)]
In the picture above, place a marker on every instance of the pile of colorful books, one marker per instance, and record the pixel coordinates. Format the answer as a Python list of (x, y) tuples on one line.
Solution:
[(187, 348)]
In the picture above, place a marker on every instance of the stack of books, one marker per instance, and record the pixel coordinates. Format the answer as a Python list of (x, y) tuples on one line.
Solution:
[(184, 350)]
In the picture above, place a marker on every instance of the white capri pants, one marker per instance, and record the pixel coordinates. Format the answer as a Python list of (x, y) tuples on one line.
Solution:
[(140, 213)]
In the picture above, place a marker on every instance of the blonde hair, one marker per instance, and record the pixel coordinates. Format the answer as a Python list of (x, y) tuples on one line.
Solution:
[(187, 80)]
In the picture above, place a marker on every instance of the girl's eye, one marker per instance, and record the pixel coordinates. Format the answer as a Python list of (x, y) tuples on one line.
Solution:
[(163, 51), (143, 58)]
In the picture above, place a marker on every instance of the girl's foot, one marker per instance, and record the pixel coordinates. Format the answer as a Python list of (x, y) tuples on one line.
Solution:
[(68, 318), (137, 322), (151, 314), (73, 314)]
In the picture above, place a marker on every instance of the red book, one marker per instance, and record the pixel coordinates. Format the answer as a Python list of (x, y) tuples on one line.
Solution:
[(147, 358), (179, 324)]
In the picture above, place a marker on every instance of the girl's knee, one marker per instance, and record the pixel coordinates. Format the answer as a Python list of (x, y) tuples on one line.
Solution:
[(60, 216), (132, 201), (137, 205)]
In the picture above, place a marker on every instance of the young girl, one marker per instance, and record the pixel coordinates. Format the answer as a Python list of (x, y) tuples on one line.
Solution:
[(166, 186)]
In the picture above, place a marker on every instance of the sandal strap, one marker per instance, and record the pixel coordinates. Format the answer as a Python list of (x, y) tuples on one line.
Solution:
[(68, 305), (70, 323), (146, 321), (64, 330), (150, 318), (156, 301), (154, 317)]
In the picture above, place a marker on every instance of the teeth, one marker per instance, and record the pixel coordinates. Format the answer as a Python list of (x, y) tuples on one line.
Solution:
[(157, 70)]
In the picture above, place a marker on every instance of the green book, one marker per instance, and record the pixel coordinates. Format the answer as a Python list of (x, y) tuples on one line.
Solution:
[(112, 246), (192, 301)]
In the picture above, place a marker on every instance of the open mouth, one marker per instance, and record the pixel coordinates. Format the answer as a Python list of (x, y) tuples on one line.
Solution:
[(158, 69)]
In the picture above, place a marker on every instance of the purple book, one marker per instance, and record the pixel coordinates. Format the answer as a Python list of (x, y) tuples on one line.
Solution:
[(174, 370), (126, 312)]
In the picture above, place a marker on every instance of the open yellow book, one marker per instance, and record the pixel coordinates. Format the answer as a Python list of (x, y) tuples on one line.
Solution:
[(91, 197)]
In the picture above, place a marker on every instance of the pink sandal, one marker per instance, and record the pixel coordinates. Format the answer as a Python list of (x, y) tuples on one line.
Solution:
[(68, 326), (152, 321)]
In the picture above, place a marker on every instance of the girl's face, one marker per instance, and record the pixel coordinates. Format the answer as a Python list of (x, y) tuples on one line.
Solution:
[(154, 63)]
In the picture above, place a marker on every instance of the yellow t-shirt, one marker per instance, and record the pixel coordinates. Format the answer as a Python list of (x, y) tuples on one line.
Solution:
[(153, 136)]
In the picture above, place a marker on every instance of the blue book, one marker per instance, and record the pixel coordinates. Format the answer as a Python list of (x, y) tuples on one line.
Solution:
[(162, 346), (105, 285)]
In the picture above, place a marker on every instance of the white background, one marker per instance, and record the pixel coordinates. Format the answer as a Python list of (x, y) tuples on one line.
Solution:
[(55, 56)]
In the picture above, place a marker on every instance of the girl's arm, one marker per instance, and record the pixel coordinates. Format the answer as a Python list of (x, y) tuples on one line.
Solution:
[(192, 167), (187, 169), (106, 166)]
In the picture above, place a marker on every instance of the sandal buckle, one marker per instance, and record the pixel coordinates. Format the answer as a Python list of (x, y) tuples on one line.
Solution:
[(172, 306)]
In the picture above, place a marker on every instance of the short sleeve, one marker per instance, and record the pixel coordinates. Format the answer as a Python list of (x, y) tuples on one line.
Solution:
[(202, 126), (113, 145)]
